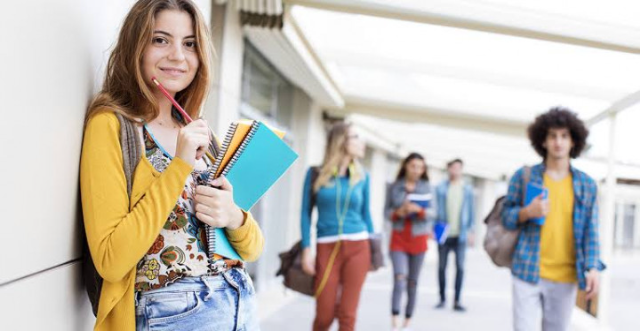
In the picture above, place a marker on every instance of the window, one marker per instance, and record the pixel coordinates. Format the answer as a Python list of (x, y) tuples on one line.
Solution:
[(266, 95)]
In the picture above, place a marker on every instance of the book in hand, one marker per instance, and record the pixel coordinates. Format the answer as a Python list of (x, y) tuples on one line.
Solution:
[(423, 200), (252, 158), (441, 232), (533, 191)]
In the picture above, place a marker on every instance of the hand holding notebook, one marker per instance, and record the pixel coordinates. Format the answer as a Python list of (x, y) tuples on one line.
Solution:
[(422, 200), (252, 158), (534, 191), (262, 158)]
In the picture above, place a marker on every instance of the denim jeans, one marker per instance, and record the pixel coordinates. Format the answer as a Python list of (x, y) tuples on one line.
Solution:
[(406, 271), (225, 302), (458, 247)]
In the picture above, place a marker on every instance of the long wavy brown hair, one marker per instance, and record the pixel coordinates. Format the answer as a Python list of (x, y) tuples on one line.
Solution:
[(335, 152), (125, 90)]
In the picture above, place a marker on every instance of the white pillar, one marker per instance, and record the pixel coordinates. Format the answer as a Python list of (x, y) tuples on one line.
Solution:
[(607, 224), (636, 226), (618, 220), (223, 105), (378, 182)]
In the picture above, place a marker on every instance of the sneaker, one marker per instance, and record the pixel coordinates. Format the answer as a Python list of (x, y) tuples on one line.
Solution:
[(440, 305), (459, 308)]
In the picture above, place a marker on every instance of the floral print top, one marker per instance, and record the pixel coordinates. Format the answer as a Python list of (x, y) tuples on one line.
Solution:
[(180, 250)]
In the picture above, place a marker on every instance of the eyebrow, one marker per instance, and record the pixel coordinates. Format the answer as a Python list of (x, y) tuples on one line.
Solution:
[(169, 34)]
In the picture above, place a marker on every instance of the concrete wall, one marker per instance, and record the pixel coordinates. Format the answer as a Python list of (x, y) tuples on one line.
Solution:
[(53, 57)]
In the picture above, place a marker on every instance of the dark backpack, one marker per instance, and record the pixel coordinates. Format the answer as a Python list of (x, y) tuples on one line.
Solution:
[(131, 154), (499, 242)]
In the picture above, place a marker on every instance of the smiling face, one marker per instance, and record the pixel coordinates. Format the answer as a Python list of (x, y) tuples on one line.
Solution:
[(171, 55)]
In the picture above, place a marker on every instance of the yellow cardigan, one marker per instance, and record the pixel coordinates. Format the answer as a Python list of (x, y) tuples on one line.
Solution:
[(120, 229)]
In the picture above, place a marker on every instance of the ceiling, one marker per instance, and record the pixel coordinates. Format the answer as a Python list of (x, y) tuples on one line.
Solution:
[(464, 78)]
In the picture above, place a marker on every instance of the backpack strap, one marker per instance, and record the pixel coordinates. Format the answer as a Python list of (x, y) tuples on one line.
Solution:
[(131, 148)]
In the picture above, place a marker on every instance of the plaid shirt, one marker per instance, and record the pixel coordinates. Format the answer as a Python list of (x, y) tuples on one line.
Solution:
[(526, 257)]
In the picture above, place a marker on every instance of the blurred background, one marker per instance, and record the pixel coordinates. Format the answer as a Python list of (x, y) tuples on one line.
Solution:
[(448, 79)]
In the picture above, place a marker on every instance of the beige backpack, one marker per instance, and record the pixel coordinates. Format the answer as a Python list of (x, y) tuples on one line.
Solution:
[(499, 242)]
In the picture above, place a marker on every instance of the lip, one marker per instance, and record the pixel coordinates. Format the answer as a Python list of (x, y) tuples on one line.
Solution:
[(171, 71)]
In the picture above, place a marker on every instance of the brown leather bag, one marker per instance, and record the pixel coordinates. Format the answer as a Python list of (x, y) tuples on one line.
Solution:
[(291, 268), (377, 258), (291, 261), (499, 242)]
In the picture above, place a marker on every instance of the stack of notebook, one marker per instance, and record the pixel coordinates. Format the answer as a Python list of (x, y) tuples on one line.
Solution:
[(252, 157)]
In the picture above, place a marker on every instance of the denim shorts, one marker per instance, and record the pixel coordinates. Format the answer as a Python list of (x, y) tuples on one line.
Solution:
[(225, 302)]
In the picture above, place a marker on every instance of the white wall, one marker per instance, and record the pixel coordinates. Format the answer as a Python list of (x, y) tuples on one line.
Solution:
[(53, 55), (378, 182), (223, 106)]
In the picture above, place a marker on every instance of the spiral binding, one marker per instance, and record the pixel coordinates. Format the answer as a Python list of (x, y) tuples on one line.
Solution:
[(211, 234), (224, 148), (241, 148)]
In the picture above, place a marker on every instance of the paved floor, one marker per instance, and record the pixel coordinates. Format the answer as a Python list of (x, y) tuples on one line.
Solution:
[(624, 312), (486, 294)]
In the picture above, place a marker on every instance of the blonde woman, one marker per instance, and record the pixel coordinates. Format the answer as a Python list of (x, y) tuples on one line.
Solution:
[(340, 191), (149, 245)]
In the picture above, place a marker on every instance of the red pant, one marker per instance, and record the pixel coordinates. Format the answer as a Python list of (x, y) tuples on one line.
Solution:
[(341, 294)]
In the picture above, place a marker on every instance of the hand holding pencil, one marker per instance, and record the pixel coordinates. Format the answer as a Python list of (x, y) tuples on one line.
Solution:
[(194, 138)]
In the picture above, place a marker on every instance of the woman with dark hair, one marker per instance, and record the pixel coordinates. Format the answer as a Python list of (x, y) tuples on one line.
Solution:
[(406, 208)]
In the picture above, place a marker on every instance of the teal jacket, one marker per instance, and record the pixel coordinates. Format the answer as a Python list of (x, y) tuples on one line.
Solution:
[(358, 216)]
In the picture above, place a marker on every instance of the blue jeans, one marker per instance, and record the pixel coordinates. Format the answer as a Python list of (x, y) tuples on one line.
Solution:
[(406, 269), (214, 303), (458, 247)]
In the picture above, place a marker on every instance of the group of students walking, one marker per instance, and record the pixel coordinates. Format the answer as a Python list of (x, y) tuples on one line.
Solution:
[(340, 191), (551, 259), (145, 223)]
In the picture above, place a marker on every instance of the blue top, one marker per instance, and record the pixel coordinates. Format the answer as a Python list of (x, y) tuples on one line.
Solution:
[(526, 257), (358, 216)]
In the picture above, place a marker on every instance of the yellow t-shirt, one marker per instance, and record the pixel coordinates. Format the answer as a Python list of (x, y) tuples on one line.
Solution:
[(557, 249)]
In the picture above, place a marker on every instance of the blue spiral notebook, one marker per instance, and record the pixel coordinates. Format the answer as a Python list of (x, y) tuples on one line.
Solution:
[(422, 200), (260, 160)]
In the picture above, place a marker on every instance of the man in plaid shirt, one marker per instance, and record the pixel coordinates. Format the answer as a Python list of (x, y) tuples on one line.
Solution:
[(558, 246)]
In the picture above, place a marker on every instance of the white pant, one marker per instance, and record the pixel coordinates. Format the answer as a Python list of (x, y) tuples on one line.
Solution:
[(554, 300)]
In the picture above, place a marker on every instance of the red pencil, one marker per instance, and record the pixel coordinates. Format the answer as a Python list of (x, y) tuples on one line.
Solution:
[(173, 101), (186, 116)]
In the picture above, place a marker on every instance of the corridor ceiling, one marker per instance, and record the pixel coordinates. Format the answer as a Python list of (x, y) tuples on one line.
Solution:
[(460, 78)]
